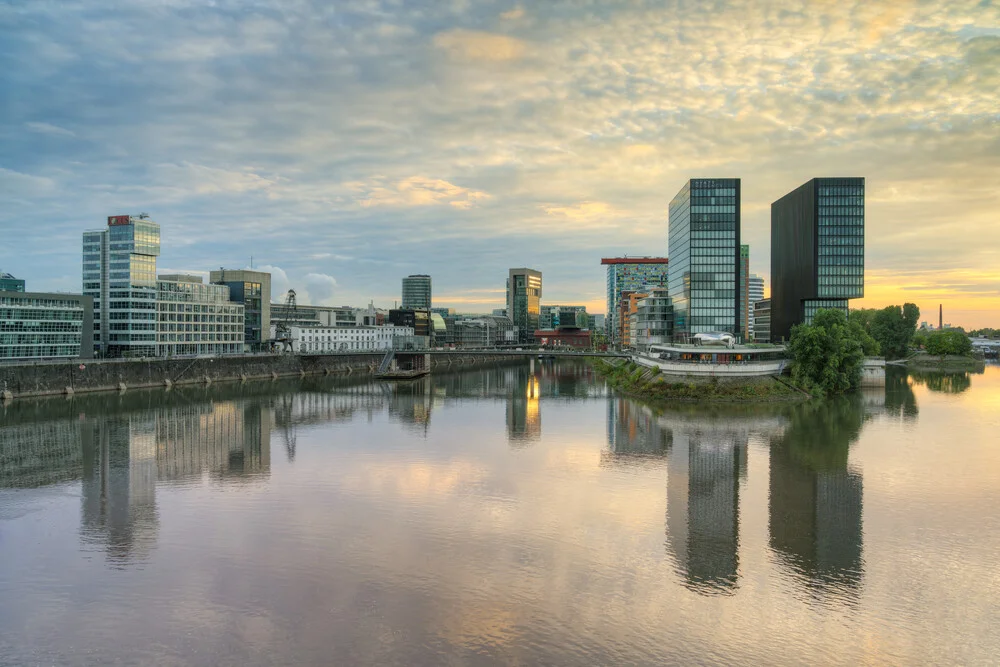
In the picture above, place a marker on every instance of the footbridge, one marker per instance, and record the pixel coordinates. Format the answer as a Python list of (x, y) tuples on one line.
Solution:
[(523, 353)]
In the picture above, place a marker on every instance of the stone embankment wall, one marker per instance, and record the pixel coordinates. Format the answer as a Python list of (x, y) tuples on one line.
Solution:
[(119, 375)]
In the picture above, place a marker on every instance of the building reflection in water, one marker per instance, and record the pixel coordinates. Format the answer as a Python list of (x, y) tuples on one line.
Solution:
[(126, 450), (815, 501), (706, 461)]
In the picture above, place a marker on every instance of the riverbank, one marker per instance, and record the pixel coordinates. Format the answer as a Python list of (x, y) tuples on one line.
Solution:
[(648, 384), (91, 375), (948, 362)]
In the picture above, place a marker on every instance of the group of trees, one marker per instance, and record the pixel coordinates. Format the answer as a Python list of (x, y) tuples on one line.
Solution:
[(892, 327), (829, 354), (942, 343), (986, 333)]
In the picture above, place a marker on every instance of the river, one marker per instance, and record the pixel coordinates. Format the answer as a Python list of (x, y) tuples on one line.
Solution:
[(500, 516)]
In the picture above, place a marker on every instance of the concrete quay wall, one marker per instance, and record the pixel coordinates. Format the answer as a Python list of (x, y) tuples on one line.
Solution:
[(90, 375)]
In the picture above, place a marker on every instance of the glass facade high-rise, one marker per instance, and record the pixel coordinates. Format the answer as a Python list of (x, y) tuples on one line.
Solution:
[(817, 251), (524, 300), (417, 292), (704, 245), (119, 272), (627, 275)]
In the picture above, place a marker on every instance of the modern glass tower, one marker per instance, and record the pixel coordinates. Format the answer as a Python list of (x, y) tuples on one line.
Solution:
[(119, 272), (417, 292), (9, 283), (817, 251), (745, 292), (626, 275), (704, 244), (524, 300)]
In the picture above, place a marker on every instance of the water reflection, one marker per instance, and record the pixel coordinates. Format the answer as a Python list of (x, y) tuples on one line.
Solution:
[(947, 382), (815, 501), (900, 401)]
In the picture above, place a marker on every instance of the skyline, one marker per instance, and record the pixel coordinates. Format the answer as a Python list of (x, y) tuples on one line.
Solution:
[(345, 148)]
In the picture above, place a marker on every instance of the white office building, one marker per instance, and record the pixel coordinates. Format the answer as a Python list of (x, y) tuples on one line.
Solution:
[(322, 340), (194, 318), (756, 288)]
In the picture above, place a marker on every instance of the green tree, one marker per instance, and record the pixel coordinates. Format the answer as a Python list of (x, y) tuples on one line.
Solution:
[(893, 327), (949, 341), (827, 355)]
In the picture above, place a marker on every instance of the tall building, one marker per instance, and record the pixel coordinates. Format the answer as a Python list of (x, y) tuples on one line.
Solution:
[(193, 318), (629, 274), (35, 325), (253, 290), (9, 283), (704, 245), (524, 301), (417, 292), (756, 291), (745, 292), (119, 273), (817, 251)]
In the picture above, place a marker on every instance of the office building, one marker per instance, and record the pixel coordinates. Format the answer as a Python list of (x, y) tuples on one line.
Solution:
[(579, 339), (653, 322), (319, 340), (194, 318), (37, 325), (524, 297), (9, 283), (704, 245), (555, 317), (418, 320), (629, 274), (119, 274), (629, 315), (417, 292), (817, 251), (744, 289), (253, 290), (762, 321), (756, 292)]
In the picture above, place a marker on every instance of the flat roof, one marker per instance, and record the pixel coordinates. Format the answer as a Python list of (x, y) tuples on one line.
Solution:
[(634, 260)]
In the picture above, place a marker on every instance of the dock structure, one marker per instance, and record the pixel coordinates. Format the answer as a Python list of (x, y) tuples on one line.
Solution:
[(403, 365)]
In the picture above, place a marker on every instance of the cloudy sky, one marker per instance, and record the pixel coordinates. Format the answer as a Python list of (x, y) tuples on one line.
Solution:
[(347, 144)]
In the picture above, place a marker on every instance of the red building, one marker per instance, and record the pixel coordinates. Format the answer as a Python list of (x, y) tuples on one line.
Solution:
[(574, 338)]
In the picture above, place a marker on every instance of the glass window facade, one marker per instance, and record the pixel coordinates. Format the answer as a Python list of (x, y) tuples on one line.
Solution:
[(628, 275), (193, 318), (524, 297), (44, 326), (119, 272), (9, 283), (704, 242), (417, 292), (817, 251), (253, 290)]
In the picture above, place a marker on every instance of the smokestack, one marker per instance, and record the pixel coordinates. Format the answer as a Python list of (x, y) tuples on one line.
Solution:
[(940, 316)]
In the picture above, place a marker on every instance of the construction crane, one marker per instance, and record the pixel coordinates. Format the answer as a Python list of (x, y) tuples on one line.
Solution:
[(282, 329)]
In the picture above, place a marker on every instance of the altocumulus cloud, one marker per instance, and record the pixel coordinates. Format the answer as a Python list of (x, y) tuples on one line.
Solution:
[(368, 140)]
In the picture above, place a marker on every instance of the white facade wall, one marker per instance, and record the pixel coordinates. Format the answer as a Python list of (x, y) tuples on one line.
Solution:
[(318, 340)]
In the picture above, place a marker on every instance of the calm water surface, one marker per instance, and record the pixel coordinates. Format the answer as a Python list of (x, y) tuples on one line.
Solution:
[(500, 516)]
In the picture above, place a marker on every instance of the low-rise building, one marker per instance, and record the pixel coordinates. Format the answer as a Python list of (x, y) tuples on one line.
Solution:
[(484, 331), (40, 325), (762, 321), (579, 339), (320, 340), (196, 319), (9, 283), (556, 317)]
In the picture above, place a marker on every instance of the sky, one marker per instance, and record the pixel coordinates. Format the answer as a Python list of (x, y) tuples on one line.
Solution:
[(344, 145)]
